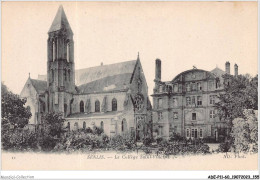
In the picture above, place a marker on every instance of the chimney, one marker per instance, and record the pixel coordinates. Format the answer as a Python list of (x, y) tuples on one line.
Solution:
[(236, 69), (227, 67), (158, 69)]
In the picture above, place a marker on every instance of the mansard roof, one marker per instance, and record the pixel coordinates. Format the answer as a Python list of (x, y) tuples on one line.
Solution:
[(83, 76), (40, 86), (60, 21)]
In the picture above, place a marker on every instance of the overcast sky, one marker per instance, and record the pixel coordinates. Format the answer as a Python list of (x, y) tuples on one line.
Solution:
[(181, 34)]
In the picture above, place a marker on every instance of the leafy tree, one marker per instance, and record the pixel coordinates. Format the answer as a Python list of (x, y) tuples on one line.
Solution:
[(245, 132), (240, 93), (14, 114)]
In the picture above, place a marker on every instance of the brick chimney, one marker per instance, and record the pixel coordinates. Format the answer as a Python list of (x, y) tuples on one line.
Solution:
[(158, 69), (227, 67), (236, 69)]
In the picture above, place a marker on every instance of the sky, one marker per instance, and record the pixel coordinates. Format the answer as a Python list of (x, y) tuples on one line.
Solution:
[(181, 34)]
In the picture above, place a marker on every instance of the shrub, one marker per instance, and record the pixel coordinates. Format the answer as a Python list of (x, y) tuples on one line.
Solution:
[(175, 137), (147, 141)]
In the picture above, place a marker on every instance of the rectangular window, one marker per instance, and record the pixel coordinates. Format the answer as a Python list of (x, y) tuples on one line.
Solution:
[(175, 115), (160, 116), (199, 86), (193, 100), (193, 87), (187, 101), (212, 114), (212, 99), (175, 102), (187, 87), (200, 133), (193, 116), (175, 88), (192, 133), (187, 133), (160, 103), (199, 100)]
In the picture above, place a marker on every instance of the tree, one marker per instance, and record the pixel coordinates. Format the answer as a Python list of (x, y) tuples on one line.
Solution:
[(14, 114), (240, 93), (245, 132)]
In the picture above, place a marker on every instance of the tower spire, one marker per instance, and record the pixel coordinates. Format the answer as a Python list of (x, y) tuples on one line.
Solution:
[(138, 58), (60, 21)]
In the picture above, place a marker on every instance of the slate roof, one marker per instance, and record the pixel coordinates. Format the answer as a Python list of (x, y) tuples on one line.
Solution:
[(83, 76), (39, 85), (60, 21), (218, 72), (118, 82)]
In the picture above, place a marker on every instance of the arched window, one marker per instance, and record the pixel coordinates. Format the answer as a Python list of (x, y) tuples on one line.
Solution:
[(81, 106), (65, 109), (53, 50), (102, 125), (29, 108), (65, 74), (69, 75), (43, 107), (68, 126), (114, 104), (76, 126), (124, 125), (84, 125), (68, 52), (97, 106), (52, 75)]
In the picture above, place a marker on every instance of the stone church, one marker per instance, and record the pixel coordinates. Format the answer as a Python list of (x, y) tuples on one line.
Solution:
[(186, 104), (113, 97)]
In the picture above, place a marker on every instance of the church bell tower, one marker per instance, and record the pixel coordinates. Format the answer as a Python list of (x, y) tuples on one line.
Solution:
[(60, 65)]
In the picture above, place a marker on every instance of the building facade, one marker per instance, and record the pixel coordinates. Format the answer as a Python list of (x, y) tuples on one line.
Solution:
[(113, 97), (186, 104)]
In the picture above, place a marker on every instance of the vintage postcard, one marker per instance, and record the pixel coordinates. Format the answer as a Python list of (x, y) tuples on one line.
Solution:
[(129, 86)]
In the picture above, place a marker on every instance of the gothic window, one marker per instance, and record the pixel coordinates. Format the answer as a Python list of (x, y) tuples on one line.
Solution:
[(53, 51), (194, 116), (65, 74), (97, 106), (124, 125), (160, 116), (69, 74), (199, 100), (68, 52), (84, 125), (212, 114), (139, 102), (159, 103), (65, 109), (29, 108), (81, 106), (192, 132), (114, 104), (68, 126), (76, 126), (196, 133), (102, 125), (52, 75)]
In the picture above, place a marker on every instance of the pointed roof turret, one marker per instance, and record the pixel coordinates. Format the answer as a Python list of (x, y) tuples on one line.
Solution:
[(60, 21)]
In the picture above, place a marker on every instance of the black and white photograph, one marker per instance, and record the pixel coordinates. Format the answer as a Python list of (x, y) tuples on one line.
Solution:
[(129, 86)]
